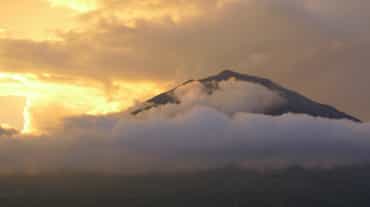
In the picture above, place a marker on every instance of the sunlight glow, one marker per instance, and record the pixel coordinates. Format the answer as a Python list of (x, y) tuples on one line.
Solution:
[(27, 117), (77, 5), (49, 99)]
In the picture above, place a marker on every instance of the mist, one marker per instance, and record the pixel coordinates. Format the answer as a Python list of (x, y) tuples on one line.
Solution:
[(204, 131)]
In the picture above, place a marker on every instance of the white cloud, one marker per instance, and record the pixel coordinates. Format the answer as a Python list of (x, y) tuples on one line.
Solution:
[(199, 137), (231, 97)]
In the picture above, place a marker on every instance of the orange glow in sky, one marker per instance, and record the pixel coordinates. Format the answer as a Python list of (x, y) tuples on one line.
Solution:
[(61, 58), (48, 99), (77, 5)]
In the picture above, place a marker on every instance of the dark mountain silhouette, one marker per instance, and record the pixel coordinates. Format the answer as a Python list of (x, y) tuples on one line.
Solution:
[(294, 102), (7, 131)]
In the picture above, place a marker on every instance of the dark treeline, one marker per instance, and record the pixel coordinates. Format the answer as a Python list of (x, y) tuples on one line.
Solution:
[(229, 187)]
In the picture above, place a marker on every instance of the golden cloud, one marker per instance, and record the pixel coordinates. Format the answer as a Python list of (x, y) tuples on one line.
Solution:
[(77, 5), (48, 100), (111, 43)]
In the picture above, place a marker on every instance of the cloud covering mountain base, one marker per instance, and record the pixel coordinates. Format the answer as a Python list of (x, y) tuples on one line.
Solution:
[(194, 135)]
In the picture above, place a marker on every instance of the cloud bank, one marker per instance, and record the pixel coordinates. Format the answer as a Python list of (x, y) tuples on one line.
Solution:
[(310, 45), (320, 48), (198, 135)]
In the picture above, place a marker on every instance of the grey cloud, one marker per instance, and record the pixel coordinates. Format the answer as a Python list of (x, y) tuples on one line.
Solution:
[(307, 45), (200, 135), (201, 138)]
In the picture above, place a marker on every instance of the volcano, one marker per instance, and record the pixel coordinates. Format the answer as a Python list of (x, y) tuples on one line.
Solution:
[(293, 101)]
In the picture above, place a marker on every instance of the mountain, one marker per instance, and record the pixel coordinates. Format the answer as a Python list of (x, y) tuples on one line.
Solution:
[(7, 131), (294, 102)]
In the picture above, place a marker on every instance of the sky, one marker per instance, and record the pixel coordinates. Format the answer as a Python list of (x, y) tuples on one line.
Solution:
[(61, 58)]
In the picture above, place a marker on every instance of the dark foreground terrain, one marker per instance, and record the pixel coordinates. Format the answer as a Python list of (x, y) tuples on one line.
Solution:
[(229, 187)]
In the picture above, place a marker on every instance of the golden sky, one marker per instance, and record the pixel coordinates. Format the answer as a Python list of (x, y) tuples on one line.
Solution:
[(61, 58), (46, 99)]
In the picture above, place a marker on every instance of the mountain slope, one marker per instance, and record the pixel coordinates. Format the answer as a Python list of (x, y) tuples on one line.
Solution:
[(294, 102)]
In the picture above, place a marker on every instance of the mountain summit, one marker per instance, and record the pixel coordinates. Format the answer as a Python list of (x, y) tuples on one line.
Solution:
[(293, 101)]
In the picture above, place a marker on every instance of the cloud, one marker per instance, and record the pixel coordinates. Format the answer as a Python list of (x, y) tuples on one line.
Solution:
[(205, 137), (302, 44), (248, 34), (231, 97), (78, 5), (319, 48), (200, 135), (199, 139)]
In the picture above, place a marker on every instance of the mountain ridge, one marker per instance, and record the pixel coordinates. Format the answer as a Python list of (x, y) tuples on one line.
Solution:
[(295, 102)]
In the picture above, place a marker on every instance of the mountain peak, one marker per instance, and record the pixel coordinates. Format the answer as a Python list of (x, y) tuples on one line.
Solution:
[(294, 102), (229, 73)]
